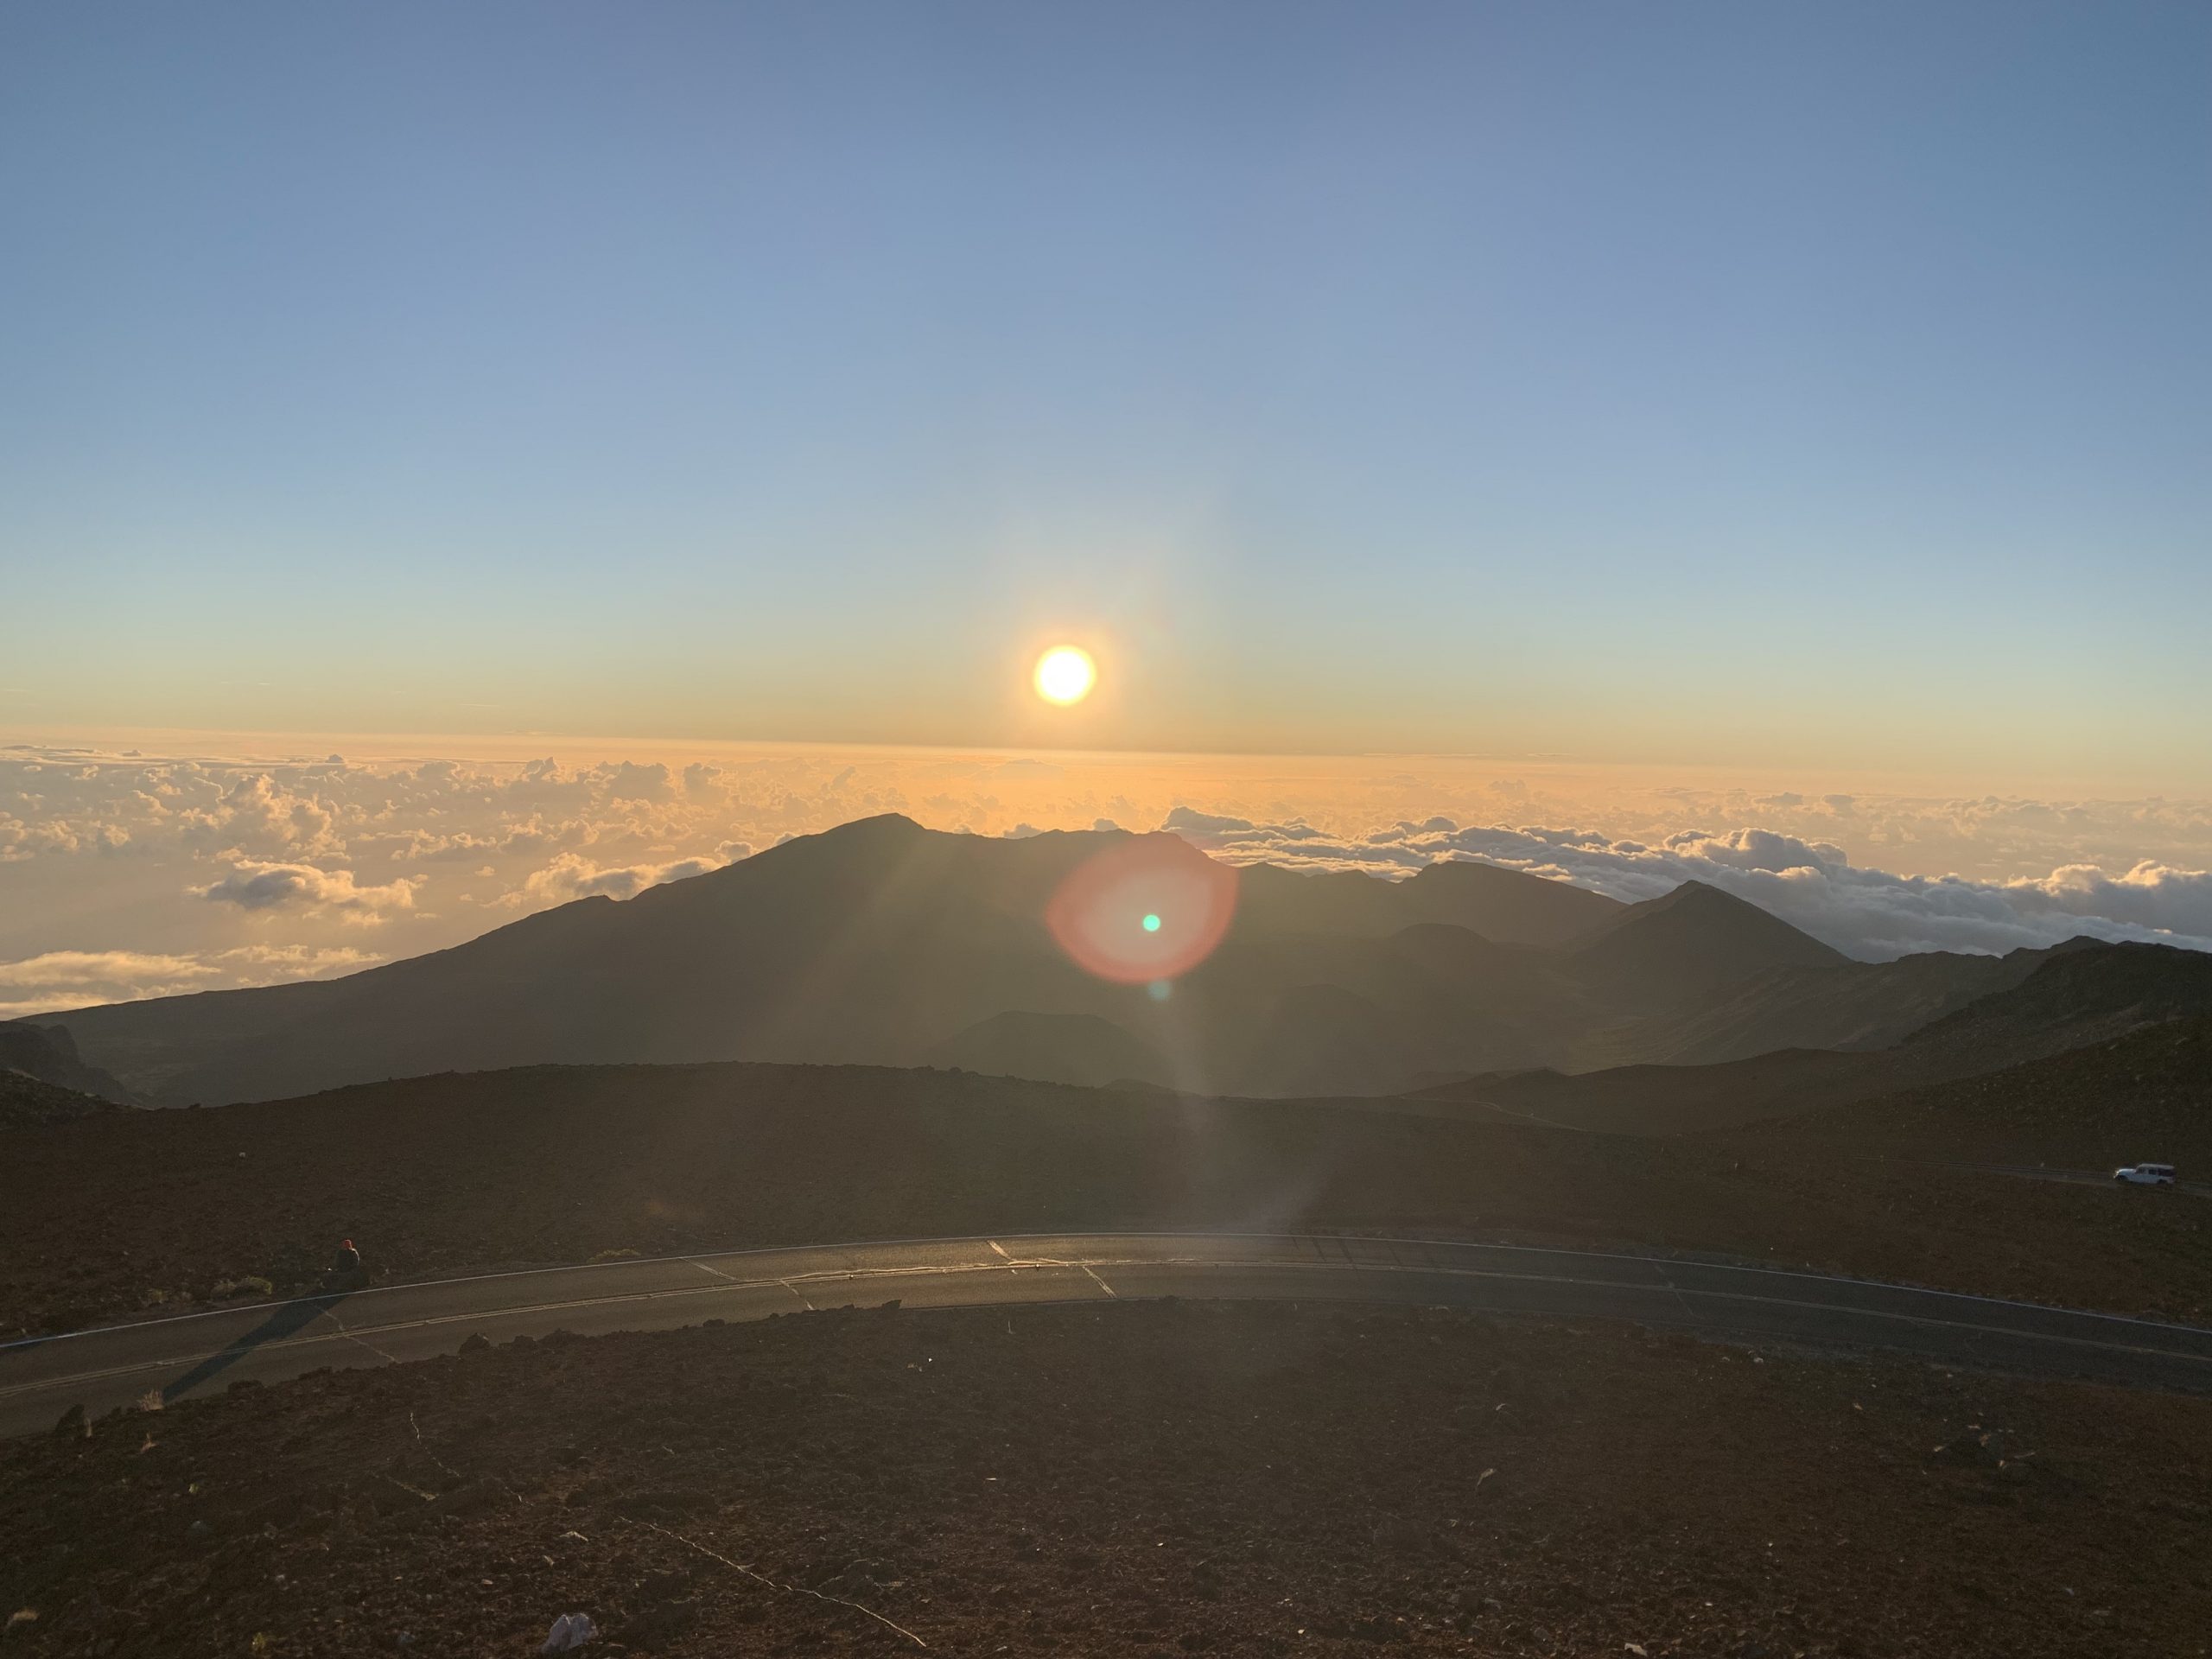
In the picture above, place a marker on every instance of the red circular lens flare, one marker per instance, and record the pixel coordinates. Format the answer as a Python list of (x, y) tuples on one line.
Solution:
[(1148, 909)]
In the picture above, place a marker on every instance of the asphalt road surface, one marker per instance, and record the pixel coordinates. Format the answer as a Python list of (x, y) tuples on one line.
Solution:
[(199, 1354)]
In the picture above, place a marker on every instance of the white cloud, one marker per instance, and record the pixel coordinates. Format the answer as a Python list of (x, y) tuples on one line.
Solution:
[(272, 886), (257, 814), (573, 876), (281, 962), (2150, 895), (59, 968), (1188, 820), (626, 780)]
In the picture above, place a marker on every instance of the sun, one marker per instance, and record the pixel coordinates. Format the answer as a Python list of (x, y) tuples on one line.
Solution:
[(1065, 675)]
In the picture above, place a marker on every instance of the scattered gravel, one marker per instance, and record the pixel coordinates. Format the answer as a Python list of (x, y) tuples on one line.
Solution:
[(1137, 1479)]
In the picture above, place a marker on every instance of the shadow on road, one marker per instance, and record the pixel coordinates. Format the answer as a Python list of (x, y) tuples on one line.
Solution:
[(288, 1319)]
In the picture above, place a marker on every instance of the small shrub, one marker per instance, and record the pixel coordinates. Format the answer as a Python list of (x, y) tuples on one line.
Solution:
[(154, 1296), (616, 1256), (252, 1285)]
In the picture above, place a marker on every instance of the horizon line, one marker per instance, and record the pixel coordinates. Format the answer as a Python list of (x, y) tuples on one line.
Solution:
[(223, 745)]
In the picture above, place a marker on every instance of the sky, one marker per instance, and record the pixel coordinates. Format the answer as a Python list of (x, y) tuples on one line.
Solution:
[(1723, 386), (454, 460)]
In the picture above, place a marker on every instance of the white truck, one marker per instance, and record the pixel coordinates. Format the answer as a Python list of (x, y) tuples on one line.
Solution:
[(2144, 1174)]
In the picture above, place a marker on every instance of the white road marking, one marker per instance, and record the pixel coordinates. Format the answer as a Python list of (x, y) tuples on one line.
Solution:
[(794, 1290), (390, 1359), (1680, 1300), (1097, 1281), (1528, 1117)]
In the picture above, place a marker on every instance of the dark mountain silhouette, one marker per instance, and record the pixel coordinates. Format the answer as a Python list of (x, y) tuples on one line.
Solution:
[(1690, 944), (1313, 1013), (882, 942), (874, 943), (1324, 1039), (1505, 906), (1074, 1048), (1851, 1005), (1673, 1099), (48, 1053), (2081, 994)]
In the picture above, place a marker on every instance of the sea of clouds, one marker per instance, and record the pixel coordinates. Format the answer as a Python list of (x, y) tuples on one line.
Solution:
[(1869, 913), (126, 874)]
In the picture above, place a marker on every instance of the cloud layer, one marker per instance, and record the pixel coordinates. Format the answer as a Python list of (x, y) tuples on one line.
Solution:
[(73, 979), (1869, 913)]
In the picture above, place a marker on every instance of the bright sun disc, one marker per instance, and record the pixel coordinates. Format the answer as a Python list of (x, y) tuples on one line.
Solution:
[(1065, 675)]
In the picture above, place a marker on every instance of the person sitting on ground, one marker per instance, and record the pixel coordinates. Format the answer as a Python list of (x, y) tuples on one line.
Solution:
[(348, 1261)]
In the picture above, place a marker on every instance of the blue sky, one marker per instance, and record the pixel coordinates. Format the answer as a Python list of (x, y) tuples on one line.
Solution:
[(1714, 384)]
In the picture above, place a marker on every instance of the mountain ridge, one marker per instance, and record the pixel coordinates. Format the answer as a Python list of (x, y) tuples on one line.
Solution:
[(883, 943), (2076, 996), (868, 944)]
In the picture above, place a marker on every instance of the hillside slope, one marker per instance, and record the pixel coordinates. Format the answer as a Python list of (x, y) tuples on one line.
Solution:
[(1071, 1048), (1853, 1005), (1690, 943), (48, 1053), (2079, 995), (28, 1103), (874, 943), (451, 1174), (2147, 1094)]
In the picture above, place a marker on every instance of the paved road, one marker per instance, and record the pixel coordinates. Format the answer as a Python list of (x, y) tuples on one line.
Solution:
[(204, 1353)]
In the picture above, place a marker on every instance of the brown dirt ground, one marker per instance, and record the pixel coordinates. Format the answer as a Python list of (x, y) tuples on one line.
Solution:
[(1146, 1479), (142, 1212)]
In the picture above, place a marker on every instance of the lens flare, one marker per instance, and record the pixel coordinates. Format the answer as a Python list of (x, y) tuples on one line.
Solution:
[(1065, 675), (1144, 912)]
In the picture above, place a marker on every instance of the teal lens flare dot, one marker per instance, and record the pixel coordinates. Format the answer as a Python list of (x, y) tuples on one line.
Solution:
[(1152, 924)]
